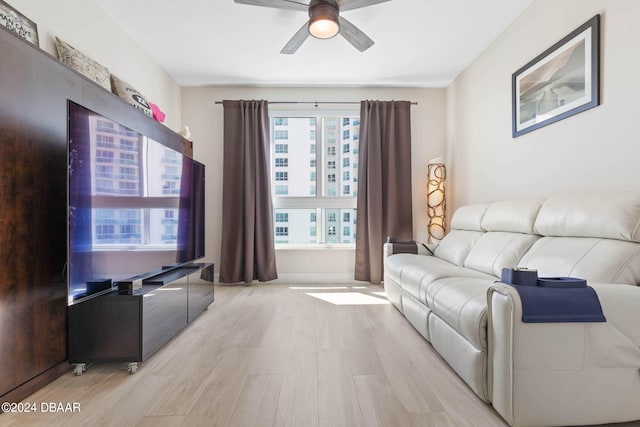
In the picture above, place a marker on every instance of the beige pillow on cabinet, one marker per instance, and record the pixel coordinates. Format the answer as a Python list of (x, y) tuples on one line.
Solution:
[(129, 94), (83, 64)]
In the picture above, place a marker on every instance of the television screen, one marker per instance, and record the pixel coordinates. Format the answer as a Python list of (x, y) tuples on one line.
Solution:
[(136, 206)]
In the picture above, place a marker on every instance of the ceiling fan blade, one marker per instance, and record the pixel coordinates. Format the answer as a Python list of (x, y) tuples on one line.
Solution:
[(354, 35), (357, 4), (296, 41), (277, 4)]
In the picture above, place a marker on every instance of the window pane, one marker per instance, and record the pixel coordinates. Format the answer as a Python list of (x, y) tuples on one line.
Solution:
[(295, 226), (299, 172), (341, 141), (340, 225)]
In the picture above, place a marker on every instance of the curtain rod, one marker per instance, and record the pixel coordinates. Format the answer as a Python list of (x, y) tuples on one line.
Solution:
[(316, 103)]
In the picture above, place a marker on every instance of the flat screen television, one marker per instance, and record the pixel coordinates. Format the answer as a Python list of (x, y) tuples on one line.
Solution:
[(136, 206)]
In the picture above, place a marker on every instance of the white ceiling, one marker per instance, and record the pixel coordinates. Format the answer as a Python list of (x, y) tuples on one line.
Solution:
[(418, 43)]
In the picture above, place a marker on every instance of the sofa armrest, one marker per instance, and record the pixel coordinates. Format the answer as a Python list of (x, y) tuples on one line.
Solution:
[(421, 249), (546, 374)]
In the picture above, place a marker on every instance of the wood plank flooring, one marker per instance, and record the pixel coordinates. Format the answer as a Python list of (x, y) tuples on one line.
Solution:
[(276, 355)]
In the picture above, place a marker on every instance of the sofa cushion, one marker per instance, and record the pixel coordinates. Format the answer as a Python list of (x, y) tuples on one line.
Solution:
[(597, 260), (456, 245), (517, 216), (496, 250), (469, 217), (462, 303), (606, 215), (401, 267), (416, 272)]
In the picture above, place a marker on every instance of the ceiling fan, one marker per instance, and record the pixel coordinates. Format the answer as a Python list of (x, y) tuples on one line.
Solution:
[(324, 20)]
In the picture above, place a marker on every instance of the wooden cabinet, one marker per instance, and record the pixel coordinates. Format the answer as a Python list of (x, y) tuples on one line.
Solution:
[(130, 328), (34, 90)]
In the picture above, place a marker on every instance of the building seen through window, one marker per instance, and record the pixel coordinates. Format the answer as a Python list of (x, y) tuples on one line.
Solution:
[(316, 157), (121, 170)]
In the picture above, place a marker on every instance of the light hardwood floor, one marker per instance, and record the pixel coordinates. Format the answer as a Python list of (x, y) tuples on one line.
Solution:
[(276, 355)]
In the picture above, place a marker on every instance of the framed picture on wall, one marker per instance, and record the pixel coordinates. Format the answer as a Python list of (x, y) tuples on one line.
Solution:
[(13, 20), (560, 82)]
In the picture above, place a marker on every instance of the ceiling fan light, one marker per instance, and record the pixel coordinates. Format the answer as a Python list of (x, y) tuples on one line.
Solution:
[(323, 20)]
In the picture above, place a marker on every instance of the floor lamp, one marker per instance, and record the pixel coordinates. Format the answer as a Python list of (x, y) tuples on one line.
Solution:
[(436, 201)]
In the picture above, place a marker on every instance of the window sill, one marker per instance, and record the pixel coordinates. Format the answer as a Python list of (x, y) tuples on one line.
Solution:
[(314, 246)]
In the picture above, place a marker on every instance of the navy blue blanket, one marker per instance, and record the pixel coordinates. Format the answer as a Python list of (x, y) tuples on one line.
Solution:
[(542, 304)]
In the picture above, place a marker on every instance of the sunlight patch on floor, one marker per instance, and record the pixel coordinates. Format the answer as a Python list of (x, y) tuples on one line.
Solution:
[(349, 298), (380, 294), (320, 288)]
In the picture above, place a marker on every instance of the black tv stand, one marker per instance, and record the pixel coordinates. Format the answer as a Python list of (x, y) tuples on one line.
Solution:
[(129, 328)]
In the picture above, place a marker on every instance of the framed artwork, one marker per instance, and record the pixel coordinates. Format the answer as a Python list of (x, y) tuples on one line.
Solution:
[(560, 82), (13, 20)]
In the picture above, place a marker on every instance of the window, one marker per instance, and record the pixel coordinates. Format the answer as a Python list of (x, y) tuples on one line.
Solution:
[(128, 173), (105, 141), (128, 159), (128, 144), (104, 171), (282, 217), (103, 156), (282, 134), (309, 191)]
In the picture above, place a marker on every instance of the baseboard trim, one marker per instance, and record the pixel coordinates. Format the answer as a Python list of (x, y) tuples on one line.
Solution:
[(25, 390), (324, 278), (316, 278)]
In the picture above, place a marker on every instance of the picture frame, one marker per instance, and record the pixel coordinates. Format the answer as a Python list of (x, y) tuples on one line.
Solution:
[(562, 81), (16, 22)]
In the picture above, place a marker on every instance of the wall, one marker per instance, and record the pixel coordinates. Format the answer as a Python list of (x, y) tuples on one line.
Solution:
[(205, 120), (594, 150), (87, 27)]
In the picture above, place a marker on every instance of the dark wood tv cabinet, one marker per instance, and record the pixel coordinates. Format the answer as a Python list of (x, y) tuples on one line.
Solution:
[(130, 328)]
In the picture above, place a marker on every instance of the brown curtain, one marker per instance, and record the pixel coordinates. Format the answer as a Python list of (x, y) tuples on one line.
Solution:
[(248, 251), (384, 183)]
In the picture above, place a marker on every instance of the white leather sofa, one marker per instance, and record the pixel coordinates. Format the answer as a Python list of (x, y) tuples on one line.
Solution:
[(534, 374)]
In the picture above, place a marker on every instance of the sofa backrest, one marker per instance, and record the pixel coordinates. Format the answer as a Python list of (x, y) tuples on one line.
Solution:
[(594, 236), (488, 237), (466, 229), (602, 215)]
